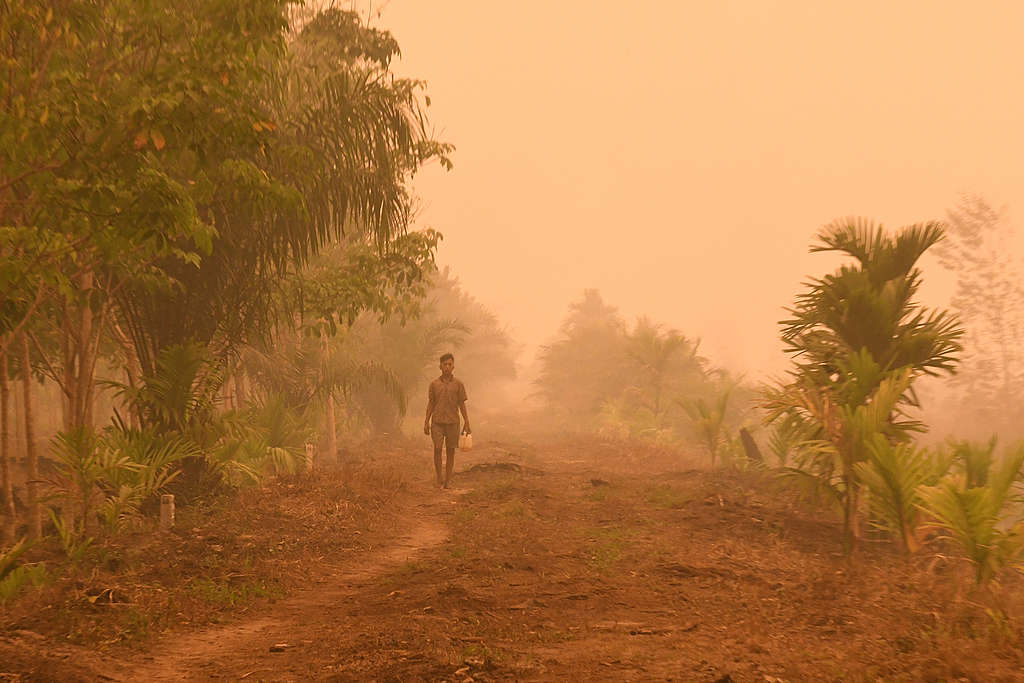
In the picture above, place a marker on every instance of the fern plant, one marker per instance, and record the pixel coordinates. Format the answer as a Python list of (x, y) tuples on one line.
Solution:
[(709, 420), (893, 475), (14, 577), (974, 461), (980, 519)]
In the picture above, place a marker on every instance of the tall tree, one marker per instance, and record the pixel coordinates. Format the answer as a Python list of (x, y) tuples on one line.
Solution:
[(93, 185), (35, 518), (662, 364), (584, 365), (989, 297), (6, 458), (335, 141)]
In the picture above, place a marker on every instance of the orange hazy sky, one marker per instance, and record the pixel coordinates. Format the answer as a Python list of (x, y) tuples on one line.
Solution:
[(680, 156)]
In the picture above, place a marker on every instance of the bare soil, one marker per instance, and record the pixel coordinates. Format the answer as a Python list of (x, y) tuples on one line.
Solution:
[(572, 560)]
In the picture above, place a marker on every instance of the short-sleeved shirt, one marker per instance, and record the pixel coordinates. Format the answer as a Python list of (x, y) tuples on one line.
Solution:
[(445, 396)]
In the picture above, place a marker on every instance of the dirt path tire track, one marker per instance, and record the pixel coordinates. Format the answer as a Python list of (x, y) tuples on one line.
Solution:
[(243, 648)]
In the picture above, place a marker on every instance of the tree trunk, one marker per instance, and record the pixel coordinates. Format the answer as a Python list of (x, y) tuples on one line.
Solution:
[(750, 447), (332, 432), (851, 525), (68, 384), (10, 522), (82, 398), (239, 380), (132, 368), (35, 519)]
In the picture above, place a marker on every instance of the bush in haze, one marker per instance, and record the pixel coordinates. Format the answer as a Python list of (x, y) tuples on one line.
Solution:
[(648, 382)]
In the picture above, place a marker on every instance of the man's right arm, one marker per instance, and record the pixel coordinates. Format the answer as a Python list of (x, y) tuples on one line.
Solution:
[(430, 408)]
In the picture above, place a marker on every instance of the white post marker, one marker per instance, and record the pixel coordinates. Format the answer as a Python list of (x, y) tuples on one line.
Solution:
[(167, 511), (309, 457)]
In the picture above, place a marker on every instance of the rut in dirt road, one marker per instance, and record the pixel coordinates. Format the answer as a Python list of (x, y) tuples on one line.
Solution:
[(292, 622)]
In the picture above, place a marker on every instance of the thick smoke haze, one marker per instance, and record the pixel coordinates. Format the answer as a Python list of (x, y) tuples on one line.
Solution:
[(679, 157)]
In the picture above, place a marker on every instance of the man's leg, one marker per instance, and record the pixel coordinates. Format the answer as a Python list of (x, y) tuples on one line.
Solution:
[(437, 436), (451, 442), (449, 465)]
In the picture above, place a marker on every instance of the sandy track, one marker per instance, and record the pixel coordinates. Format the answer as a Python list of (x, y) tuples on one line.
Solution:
[(243, 649)]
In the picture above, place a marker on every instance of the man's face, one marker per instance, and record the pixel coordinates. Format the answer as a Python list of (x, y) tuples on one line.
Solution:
[(447, 366)]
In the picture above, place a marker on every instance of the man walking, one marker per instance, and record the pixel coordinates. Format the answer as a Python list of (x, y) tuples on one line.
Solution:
[(446, 398)]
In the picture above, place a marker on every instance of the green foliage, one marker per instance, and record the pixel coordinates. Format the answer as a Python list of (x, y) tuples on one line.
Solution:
[(169, 173), (112, 474), (227, 594), (10, 556), (708, 421), (14, 577), (13, 583), (668, 497), (984, 521), (893, 476), (325, 160), (72, 542), (180, 395), (788, 436), (350, 278), (859, 340), (974, 461)]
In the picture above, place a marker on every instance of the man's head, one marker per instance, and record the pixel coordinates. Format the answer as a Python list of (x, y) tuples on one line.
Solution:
[(447, 364)]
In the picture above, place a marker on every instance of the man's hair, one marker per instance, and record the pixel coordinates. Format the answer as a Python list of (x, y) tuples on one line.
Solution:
[(447, 356)]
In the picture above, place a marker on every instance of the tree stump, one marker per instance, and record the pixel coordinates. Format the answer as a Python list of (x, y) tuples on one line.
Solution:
[(750, 447)]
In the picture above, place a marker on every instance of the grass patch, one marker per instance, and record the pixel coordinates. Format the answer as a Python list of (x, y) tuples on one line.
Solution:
[(516, 510), (464, 515), (226, 595), (482, 652), (501, 490), (410, 568), (668, 497), (610, 544)]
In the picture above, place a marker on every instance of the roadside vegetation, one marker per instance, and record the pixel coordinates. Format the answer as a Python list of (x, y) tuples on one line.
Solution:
[(841, 429), (207, 261)]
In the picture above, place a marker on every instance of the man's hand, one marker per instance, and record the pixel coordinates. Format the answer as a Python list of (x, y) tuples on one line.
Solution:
[(466, 429), (426, 428)]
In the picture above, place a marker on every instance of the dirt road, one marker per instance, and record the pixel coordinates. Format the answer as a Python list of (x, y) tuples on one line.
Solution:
[(584, 560), (278, 645)]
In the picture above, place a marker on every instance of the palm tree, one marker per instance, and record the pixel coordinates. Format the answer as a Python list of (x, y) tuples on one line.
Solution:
[(658, 358), (859, 340), (709, 419), (339, 138)]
